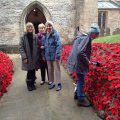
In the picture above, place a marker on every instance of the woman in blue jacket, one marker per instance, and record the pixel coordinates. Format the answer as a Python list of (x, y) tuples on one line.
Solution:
[(52, 54)]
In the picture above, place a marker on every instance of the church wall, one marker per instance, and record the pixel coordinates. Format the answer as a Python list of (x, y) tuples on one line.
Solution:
[(62, 13)]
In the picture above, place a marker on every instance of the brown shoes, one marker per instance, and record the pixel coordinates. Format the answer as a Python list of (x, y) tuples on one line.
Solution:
[(83, 102)]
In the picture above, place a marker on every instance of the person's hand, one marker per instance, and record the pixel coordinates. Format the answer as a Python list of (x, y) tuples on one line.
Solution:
[(98, 64), (57, 58), (42, 47), (93, 63), (42, 61), (25, 61)]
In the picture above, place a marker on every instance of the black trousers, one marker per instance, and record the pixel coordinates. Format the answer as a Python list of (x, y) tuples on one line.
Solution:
[(43, 69), (31, 75)]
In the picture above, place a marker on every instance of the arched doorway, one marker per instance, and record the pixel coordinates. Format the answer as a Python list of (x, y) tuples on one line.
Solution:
[(36, 17), (36, 13)]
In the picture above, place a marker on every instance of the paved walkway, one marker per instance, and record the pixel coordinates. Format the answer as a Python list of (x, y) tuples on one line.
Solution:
[(41, 104)]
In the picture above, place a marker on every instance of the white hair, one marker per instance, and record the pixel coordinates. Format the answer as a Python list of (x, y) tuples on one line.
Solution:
[(49, 22), (41, 25), (30, 24)]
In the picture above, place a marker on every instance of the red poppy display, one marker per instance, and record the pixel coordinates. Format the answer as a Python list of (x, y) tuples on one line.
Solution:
[(102, 83), (6, 71)]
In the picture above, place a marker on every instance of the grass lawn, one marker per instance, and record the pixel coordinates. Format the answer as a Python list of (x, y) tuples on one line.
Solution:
[(109, 39)]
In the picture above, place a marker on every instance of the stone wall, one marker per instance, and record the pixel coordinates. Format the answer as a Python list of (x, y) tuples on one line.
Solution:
[(88, 14), (113, 21), (9, 22), (79, 12), (67, 15), (13, 12)]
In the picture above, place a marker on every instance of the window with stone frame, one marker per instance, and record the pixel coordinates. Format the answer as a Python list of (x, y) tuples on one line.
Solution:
[(102, 16)]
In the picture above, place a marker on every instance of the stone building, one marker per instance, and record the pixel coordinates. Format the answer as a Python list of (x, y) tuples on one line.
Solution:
[(109, 17), (67, 15)]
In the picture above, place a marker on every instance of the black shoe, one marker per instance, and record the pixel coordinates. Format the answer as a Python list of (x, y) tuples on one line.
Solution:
[(34, 88), (84, 102), (29, 88), (75, 96), (30, 85)]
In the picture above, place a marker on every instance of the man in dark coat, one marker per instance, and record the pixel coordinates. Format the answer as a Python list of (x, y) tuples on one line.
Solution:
[(79, 61)]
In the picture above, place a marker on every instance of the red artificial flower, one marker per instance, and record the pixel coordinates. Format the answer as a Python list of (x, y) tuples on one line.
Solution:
[(103, 83)]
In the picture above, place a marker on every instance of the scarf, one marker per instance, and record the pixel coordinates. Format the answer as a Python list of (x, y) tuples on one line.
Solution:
[(30, 41)]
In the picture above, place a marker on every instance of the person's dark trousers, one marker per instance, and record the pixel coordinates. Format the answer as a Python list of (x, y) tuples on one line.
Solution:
[(80, 86), (82, 99), (30, 79), (31, 74), (44, 69)]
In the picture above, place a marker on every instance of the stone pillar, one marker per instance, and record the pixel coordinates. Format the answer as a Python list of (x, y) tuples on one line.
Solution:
[(79, 11), (88, 14)]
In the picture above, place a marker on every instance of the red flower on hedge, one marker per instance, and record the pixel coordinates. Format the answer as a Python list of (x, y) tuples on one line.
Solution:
[(6, 70), (103, 83)]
